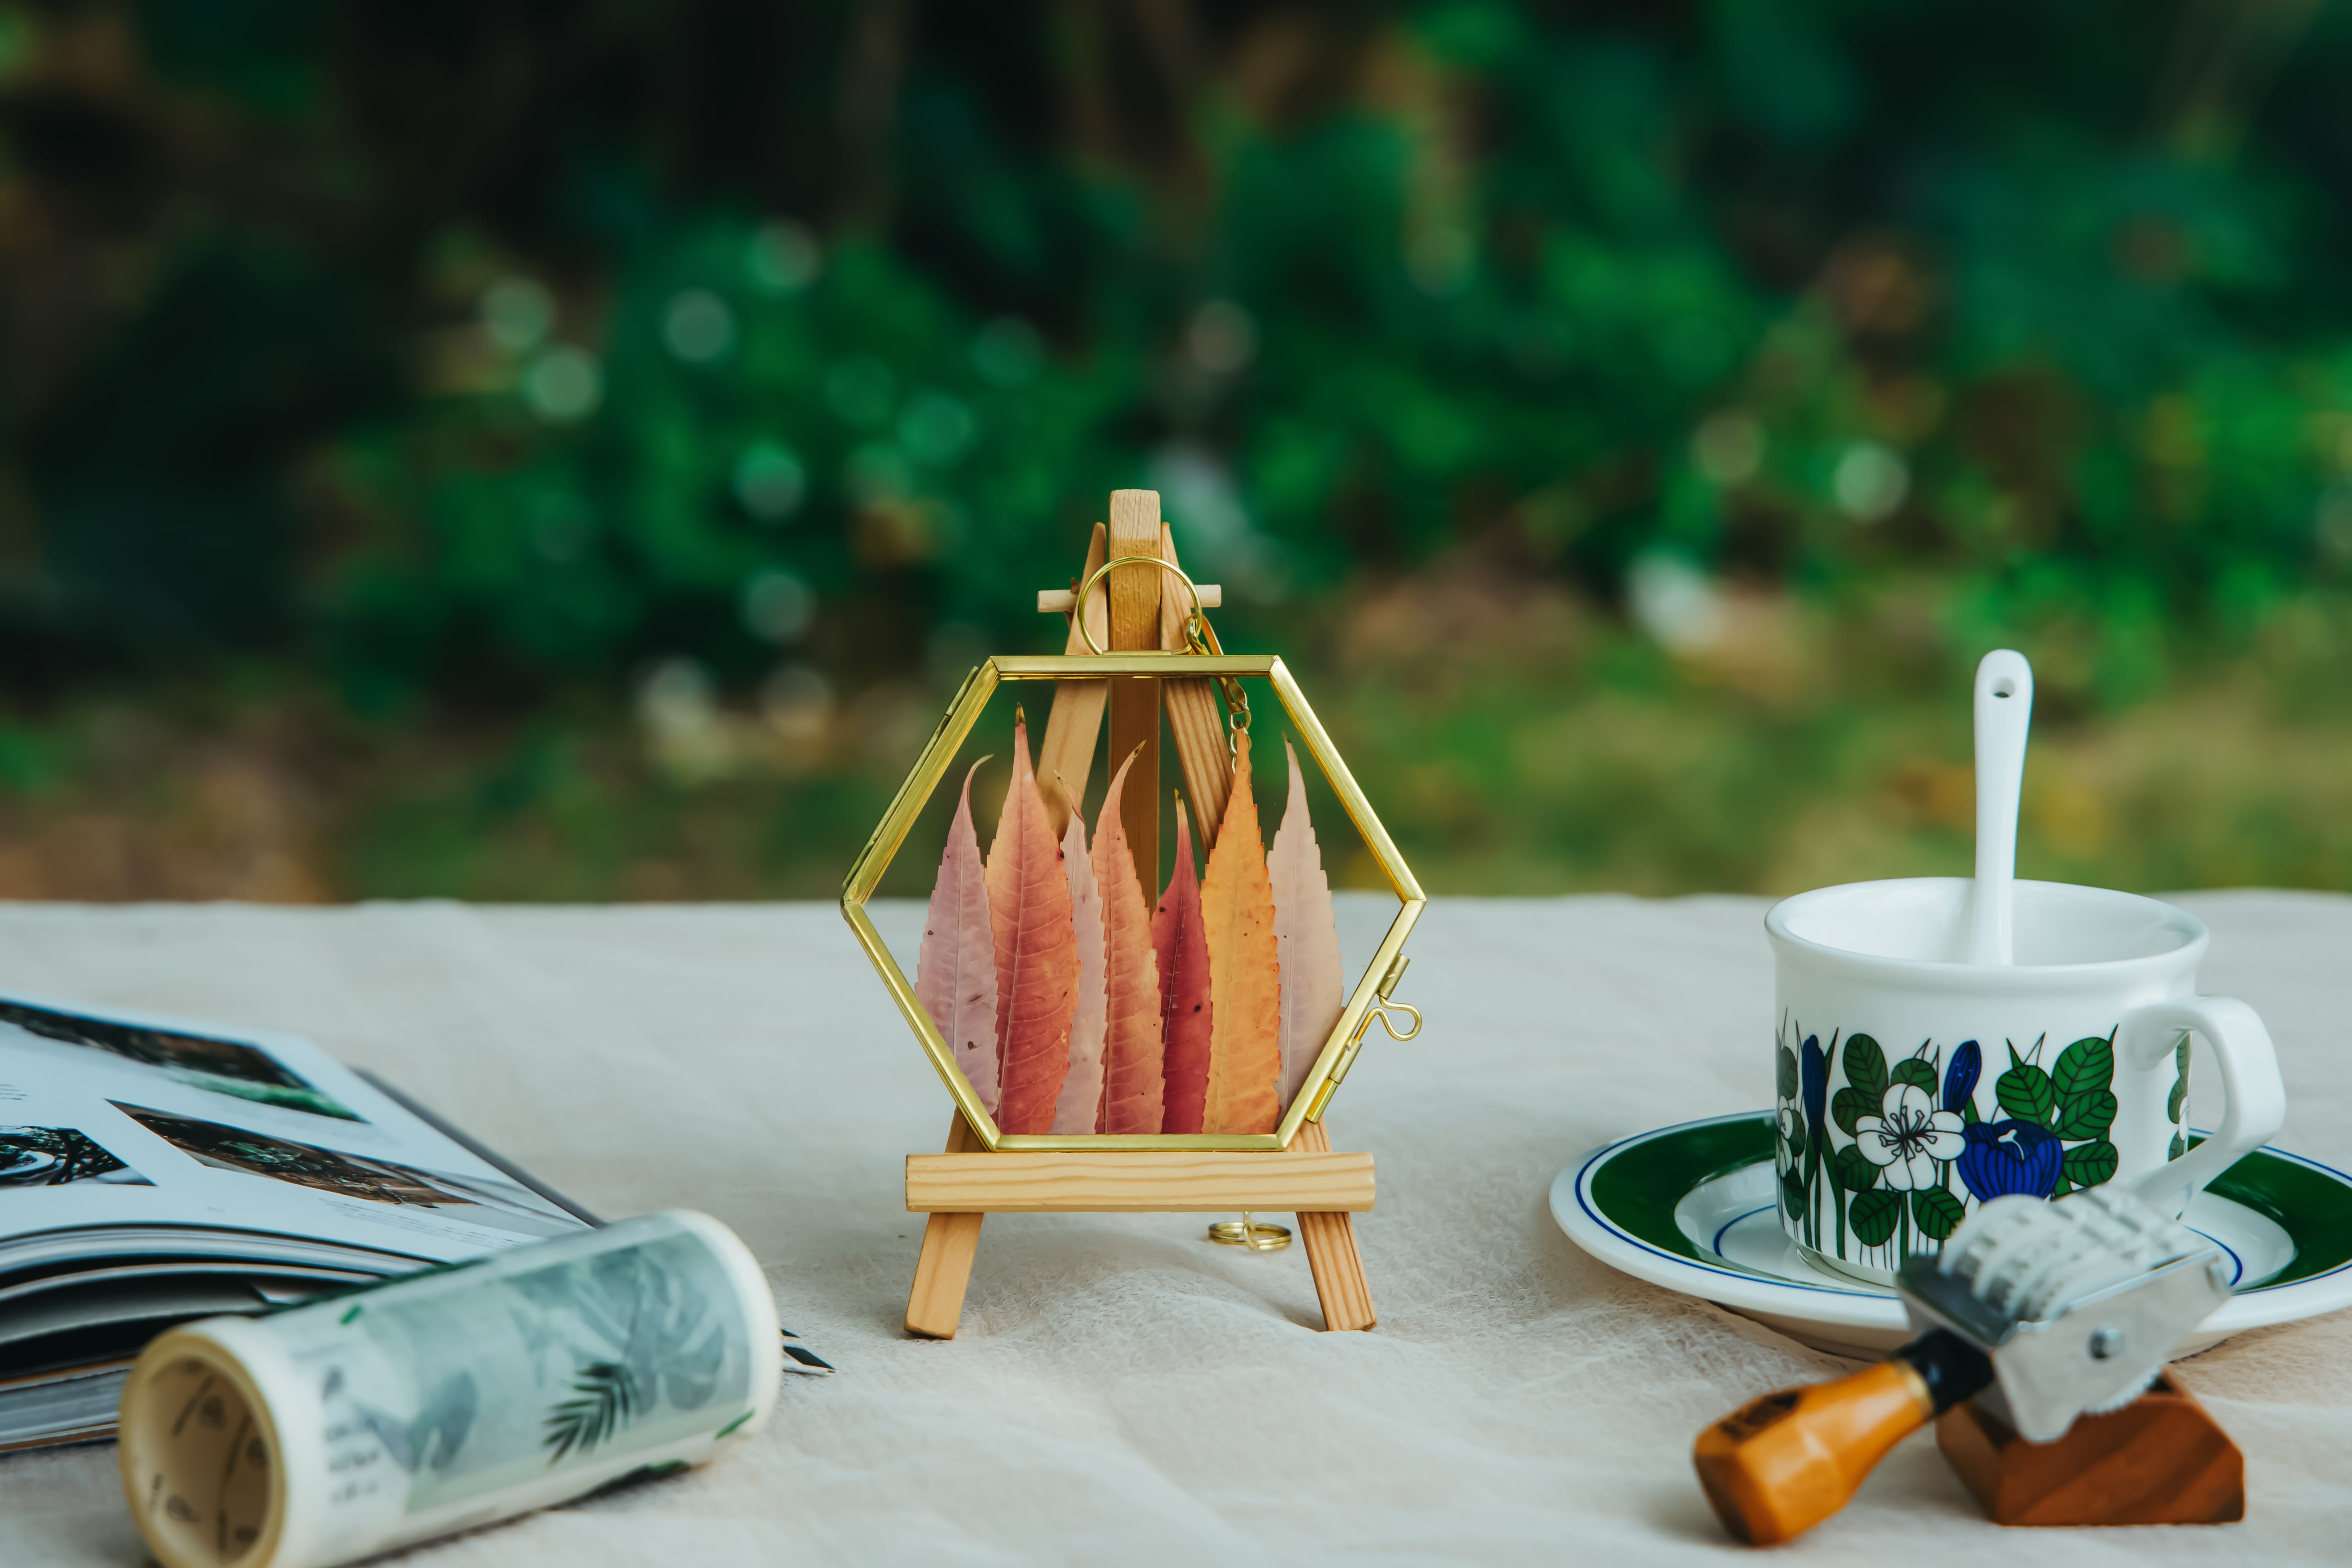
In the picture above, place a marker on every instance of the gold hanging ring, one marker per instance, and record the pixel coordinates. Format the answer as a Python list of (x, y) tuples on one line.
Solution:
[(1193, 623), (1247, 1232)]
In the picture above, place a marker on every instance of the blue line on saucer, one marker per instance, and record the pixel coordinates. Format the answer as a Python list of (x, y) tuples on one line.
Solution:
[(1716, 1247)]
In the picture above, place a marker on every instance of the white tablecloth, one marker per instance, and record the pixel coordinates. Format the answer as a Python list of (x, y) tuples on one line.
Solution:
[(1123, 1392)]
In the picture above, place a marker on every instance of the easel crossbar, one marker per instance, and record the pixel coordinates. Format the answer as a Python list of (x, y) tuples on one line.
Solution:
[(1138, 1182)]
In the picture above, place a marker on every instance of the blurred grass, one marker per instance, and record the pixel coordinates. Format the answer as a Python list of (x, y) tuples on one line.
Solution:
[(1513, 740)]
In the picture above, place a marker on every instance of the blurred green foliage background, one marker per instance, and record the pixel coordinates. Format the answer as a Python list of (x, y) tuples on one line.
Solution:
[(569, 450)]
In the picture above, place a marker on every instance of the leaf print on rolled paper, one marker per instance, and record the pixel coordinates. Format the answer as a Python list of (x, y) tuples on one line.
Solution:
[(1133, 1090), (1036, 953), (1187, 1012), (1244, 969), (1079, 1105), (955, 971), (1306, 939)]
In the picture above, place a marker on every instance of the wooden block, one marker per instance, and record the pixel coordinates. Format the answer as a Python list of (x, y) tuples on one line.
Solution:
[(943, 1269), (1331, 1256), (1075, 722), (2159, 1460), (1171, 1181), (1195, 716), (1135, 699)]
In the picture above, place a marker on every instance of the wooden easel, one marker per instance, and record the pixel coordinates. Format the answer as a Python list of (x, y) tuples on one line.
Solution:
[(962, 1187)]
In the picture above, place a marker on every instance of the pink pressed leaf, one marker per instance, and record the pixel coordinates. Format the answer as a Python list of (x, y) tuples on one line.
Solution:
[(1133, 1092), (1187, 1014), (1245, 970), (1036, 953), (1307, 935), (955, 971), (1080, 1102)]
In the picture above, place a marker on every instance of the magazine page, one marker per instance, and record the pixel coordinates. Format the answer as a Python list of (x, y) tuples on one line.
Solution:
[(117, 1122)]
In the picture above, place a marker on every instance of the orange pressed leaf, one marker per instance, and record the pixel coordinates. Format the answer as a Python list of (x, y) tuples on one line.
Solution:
[(1244, 969), (955, 971), (1187, 1015), (1132, 1088), (1036, 953), (1306, 937), (1080, 1102)]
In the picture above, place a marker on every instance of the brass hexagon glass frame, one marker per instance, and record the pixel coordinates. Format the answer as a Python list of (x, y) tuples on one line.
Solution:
[(1346, 1037)]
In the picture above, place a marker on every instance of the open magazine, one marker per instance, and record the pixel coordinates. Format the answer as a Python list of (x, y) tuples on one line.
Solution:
[(153, 1169)]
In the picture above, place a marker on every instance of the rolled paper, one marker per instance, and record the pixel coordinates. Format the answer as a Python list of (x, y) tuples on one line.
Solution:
[(320, 1434)]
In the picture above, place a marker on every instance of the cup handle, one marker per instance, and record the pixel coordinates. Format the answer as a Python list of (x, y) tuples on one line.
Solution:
[(2253, 1100)]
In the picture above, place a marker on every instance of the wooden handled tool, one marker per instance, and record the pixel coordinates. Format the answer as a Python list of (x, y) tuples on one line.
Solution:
[(1780, 1465), (2040, 1312)]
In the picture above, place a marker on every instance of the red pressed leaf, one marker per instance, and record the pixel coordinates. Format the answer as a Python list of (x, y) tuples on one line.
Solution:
[(1036, 953), (1182, 945), (1244, 969), (1314, 981), (1132, 1093), (1080, 1102), (955, 971)]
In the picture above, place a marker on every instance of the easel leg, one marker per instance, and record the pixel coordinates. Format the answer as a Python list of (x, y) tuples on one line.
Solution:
[(943, 1270), (1331, 1254)]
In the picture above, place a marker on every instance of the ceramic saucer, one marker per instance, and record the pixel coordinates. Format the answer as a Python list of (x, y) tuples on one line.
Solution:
[(1692, 1208)]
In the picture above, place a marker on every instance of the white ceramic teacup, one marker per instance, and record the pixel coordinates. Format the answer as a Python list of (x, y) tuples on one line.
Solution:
[(1912, 1085)]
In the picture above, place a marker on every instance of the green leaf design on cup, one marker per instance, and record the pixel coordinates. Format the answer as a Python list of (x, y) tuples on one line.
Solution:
[(1865, 1068), (2026, 1092), (1874, 1216), (2087, 1064), (1849, 1106), (1937, 1213), (2088, 1164), (2086, 1115), (1917, 1073), (1852, 1170), (1786, 1062), (1792, 1193)]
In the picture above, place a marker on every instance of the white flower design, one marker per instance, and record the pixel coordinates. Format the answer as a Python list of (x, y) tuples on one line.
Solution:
[(1908, 1136)]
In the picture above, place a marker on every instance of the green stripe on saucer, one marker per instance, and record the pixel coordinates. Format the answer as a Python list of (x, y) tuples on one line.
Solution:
[(1637, 1190)]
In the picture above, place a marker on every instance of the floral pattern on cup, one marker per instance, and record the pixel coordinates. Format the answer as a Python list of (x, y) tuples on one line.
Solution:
[(1919, 1152)]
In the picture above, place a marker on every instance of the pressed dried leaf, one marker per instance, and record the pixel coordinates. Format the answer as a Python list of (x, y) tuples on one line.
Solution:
[(955, 971), (1187, 1014), (1306, 936), (1036, 953), (1245, 970), (1080, 1102), (1133, 1094)]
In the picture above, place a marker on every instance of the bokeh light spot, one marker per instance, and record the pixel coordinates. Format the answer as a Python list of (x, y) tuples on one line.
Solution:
[(777, 606), (563, 385), (697, 326), (935, 427), (518, 313), (769, 481), (784, 258), (1871, 481)]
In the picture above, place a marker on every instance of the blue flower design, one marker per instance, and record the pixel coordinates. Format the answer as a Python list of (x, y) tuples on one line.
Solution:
[(2005, 1157), (1961, 1076), (1814, 1069)]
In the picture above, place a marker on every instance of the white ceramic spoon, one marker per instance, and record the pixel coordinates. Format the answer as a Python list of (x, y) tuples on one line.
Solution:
[(2004, 714)]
